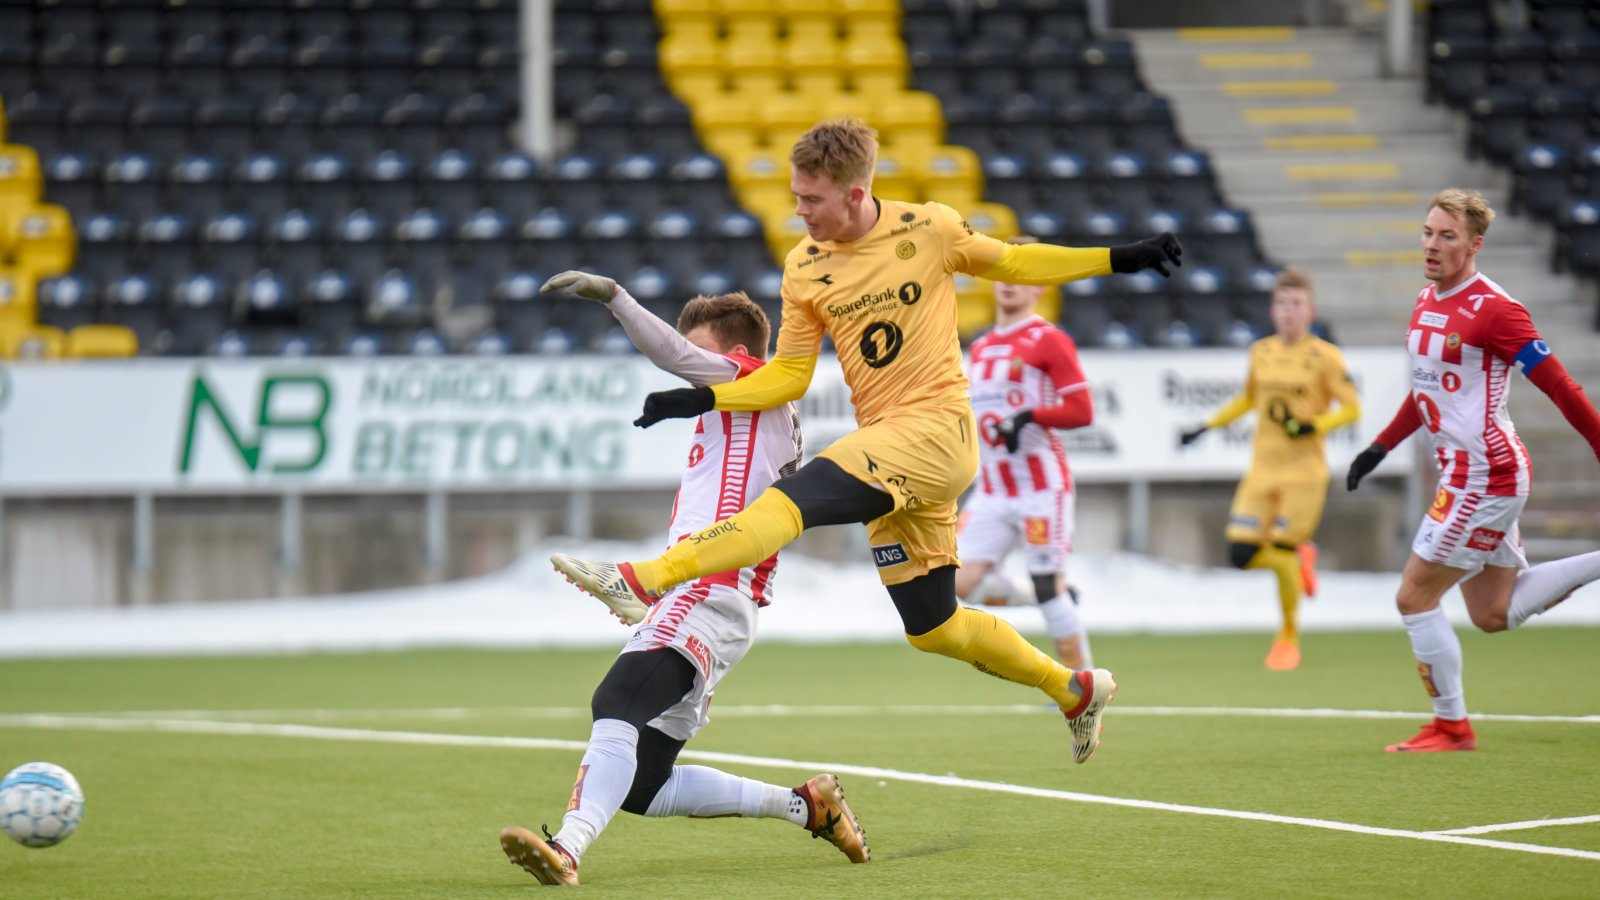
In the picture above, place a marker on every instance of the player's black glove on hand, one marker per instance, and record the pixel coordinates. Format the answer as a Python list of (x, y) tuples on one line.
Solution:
[(1190, 435), (1010, 430), (1365, 462), (1150, 253), (1296, 428), (679, 403)]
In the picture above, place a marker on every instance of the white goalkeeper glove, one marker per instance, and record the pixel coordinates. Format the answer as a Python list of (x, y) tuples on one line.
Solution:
[(590, 287)]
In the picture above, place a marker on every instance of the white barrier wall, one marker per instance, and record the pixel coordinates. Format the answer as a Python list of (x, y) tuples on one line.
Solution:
[(548, 423)]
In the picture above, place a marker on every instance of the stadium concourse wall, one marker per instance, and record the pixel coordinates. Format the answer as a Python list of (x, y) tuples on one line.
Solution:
[(184, 481)]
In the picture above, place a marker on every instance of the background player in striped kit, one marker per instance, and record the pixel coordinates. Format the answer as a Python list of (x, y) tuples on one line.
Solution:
[(1024, 372), (1466, 334), (1294, 378), (658, 692)]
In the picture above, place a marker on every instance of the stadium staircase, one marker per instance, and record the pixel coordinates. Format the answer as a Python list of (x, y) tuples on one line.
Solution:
[(1336, 163)]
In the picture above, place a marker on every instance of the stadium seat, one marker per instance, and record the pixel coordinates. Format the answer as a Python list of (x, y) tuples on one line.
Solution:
[(101, 341)]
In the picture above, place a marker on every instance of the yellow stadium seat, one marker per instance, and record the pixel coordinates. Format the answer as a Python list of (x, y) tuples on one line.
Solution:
[(852, 9), (876, 66), (101, 342), (786, 116), (755, 20), (814, 64), (672, 10), (759, 167), (839, 106), (895, 178), (814, 9), (754, 67), (45, 241), (974, 305), (810, 27), (16, 294), (725, 118), (994, 219), (691, 67), (952, 175), (691, 30), (874, 27), (784, 231), (767, 201), (32, 342), (909, 119), (20, 181)]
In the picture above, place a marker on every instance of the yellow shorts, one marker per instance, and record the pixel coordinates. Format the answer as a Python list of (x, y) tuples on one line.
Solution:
[(925, 461), (1276, 511)]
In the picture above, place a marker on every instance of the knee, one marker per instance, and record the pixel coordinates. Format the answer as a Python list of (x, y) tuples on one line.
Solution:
[(1488, 620), (1241, 554), (944, 639)]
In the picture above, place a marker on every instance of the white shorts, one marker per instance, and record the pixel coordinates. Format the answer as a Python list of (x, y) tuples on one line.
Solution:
[(1042, 521), (1470, 531), (713, 626)]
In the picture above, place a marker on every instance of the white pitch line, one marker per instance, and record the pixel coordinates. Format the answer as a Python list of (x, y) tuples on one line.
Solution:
[(313, 732), (1522, 826), (775, 710)]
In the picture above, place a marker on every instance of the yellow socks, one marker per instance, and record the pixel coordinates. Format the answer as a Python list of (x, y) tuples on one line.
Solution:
[(1285, 564), (743, 539), (991, 645)]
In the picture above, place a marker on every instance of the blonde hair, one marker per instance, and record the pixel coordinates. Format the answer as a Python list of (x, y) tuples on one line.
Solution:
[(733, 318), (846, 149), (1467, 205), (1297, 279)]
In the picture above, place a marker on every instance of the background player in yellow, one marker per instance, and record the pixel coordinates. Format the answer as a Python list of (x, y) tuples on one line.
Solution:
[(876, 275), (1294, 379)]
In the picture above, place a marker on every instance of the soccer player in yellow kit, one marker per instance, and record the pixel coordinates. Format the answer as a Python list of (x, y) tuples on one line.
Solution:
[(877, 276), (1294, 379)]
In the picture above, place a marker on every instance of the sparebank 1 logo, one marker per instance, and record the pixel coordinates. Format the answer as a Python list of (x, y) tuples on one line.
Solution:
[(289, 408)]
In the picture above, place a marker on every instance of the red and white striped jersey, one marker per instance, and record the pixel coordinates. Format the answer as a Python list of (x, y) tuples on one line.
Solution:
[(1028, 364), (735, 456), (1463, 344)]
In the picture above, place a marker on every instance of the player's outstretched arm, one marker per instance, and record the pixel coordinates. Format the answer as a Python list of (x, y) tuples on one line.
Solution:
[(587, 285), (782, 380), (1150, 253), (1405, 421), (658, 341)]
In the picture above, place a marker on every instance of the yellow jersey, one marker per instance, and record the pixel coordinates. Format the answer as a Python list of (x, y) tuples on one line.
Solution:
[(1293, 381), (888, 300)]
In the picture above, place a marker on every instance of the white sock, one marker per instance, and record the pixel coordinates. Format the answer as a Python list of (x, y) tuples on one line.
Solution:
[(1538, 586), (604, 778), (1061, 619), (703, 792), (1438, 652)]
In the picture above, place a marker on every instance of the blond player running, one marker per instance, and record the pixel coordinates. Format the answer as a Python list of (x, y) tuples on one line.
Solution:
[(876, 275), (1026, 382), (1465, 337), (657, 694), (1294, 379)]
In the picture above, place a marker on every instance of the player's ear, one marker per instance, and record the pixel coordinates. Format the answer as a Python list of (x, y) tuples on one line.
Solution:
[(739, 349)]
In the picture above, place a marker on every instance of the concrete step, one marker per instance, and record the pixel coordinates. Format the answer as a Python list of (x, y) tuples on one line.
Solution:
[(1166, 55), (1403, 168), (1298, 233)]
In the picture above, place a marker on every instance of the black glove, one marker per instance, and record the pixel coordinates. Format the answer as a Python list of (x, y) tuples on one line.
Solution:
[(1365, 462), (1190, 435), (1150, 253), (679, 403), (1296, 428), (1010, 430)]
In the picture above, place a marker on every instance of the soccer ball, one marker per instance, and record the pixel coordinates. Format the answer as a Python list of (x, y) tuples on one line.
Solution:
[(40, 804)]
